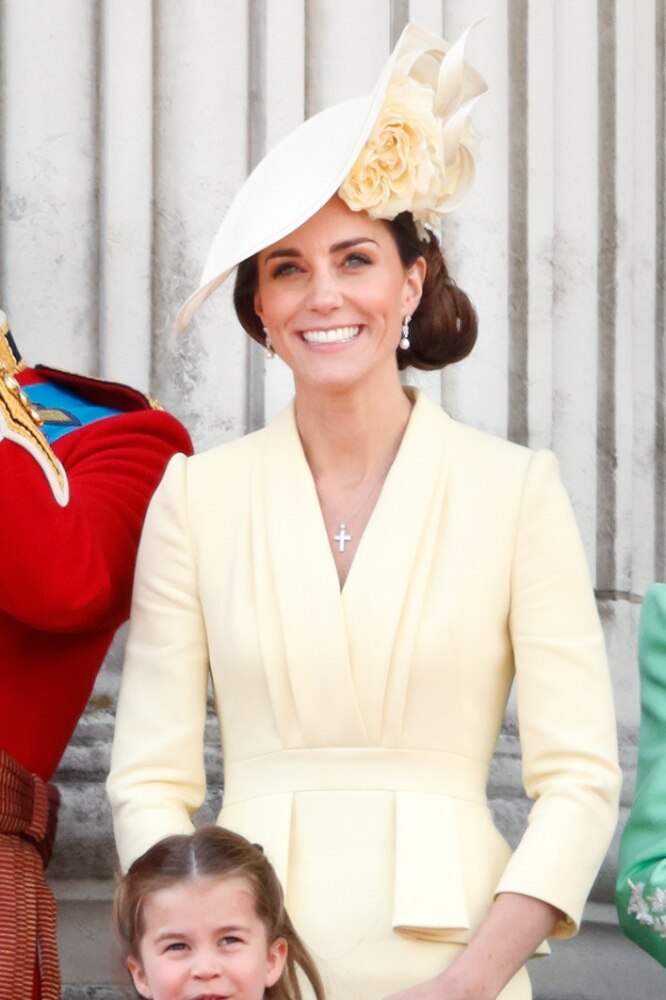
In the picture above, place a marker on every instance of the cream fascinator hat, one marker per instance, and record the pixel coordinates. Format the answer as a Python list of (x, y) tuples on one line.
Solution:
[(406, 147)]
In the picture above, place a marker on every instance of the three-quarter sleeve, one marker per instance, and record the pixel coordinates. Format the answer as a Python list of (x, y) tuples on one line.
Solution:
[(564, 702), (157, 778)]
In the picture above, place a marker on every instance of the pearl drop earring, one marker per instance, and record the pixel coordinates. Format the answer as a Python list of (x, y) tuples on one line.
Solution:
[(270, 353), (404, 340)]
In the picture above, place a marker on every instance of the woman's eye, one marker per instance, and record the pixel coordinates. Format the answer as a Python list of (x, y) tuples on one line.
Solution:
[(357, 260), (284, 269)]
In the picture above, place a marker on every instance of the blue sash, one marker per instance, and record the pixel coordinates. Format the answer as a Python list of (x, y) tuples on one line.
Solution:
[(62, 411)]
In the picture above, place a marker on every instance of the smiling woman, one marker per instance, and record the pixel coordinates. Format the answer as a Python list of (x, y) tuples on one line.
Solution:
[(365, 578), (333, 296), (445, 327), (340, 300)]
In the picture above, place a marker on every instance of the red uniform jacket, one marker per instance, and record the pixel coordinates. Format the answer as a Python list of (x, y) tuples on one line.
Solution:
[(70, 518)]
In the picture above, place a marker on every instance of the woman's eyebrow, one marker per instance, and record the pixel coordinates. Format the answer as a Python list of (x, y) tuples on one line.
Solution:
[(283, 252), (346, 244), (334, 248)]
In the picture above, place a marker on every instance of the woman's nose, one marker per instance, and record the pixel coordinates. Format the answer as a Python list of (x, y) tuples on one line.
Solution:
[(324, 291)]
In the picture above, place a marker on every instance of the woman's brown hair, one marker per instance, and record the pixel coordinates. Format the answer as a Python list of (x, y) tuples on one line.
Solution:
[(212, 852), (443, 328)]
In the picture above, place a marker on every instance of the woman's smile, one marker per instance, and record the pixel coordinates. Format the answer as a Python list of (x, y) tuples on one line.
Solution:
[(333, 295), (336, 335)]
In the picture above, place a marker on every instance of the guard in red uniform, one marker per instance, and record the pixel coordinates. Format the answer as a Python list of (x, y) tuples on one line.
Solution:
[(79, 460)]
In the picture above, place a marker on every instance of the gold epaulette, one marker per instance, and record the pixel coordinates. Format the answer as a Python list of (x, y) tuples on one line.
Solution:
[(20, 421), (10, 362)]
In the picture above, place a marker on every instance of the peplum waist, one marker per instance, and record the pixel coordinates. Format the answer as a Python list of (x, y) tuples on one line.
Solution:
[(321, 769), (435, 896)]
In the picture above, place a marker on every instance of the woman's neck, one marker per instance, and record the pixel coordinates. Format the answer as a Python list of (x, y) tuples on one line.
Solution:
[(350, 440), (352, 436)]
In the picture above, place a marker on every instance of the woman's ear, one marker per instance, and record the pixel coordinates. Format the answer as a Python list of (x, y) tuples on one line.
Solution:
[(138, 975), (277, 956), (413, 290), (256, 301)]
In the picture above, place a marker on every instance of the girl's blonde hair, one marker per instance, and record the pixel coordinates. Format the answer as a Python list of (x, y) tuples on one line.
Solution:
[(212, 852)]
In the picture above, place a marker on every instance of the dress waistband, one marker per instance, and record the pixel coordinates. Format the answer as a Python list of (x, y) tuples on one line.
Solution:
[(355, 769)]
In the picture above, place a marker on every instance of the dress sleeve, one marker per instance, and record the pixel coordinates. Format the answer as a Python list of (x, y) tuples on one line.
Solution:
[(73, 565), (565, 706), (641, 881), (157, 778)]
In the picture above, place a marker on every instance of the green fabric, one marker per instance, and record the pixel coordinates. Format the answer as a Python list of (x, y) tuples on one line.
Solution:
[(641, 882)]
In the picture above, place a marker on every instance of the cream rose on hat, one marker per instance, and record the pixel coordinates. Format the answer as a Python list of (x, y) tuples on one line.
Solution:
[(405, 147), (418, 156), (401, 167)]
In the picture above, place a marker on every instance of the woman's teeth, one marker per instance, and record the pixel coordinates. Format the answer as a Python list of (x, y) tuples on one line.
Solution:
[(338, 336)]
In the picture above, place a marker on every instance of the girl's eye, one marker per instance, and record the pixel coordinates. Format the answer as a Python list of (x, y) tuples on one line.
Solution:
[(176, 946), (231, 939)]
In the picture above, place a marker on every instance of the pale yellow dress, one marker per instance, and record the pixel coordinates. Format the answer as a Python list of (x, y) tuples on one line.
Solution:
[(358, 727)]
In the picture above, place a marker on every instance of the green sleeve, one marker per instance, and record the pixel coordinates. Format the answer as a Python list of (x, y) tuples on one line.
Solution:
[(641, 882)]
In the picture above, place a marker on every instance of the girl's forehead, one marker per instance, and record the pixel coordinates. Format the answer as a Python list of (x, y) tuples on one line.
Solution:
[(202, 905), (201, 909), (219, 890)]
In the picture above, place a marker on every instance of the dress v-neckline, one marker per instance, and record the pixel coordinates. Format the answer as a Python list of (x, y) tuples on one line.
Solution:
[(342, 524), (341, 530), (323, 628)]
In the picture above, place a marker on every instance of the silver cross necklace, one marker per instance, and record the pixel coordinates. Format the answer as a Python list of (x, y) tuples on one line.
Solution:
[(342, 536)]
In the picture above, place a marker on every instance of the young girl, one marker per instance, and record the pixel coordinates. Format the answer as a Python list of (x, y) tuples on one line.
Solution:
[(202, 917)]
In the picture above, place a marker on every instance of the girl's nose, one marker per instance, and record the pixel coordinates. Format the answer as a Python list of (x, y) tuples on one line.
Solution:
[(207, 965)]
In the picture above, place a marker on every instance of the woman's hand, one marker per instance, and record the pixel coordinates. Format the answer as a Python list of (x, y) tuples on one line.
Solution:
[(514, 927), (447, 986)]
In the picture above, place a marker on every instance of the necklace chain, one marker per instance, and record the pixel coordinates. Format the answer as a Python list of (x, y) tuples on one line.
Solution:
[(342, 536)]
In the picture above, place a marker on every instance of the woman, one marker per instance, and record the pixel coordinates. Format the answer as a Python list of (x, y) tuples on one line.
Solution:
[(365, 577)]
